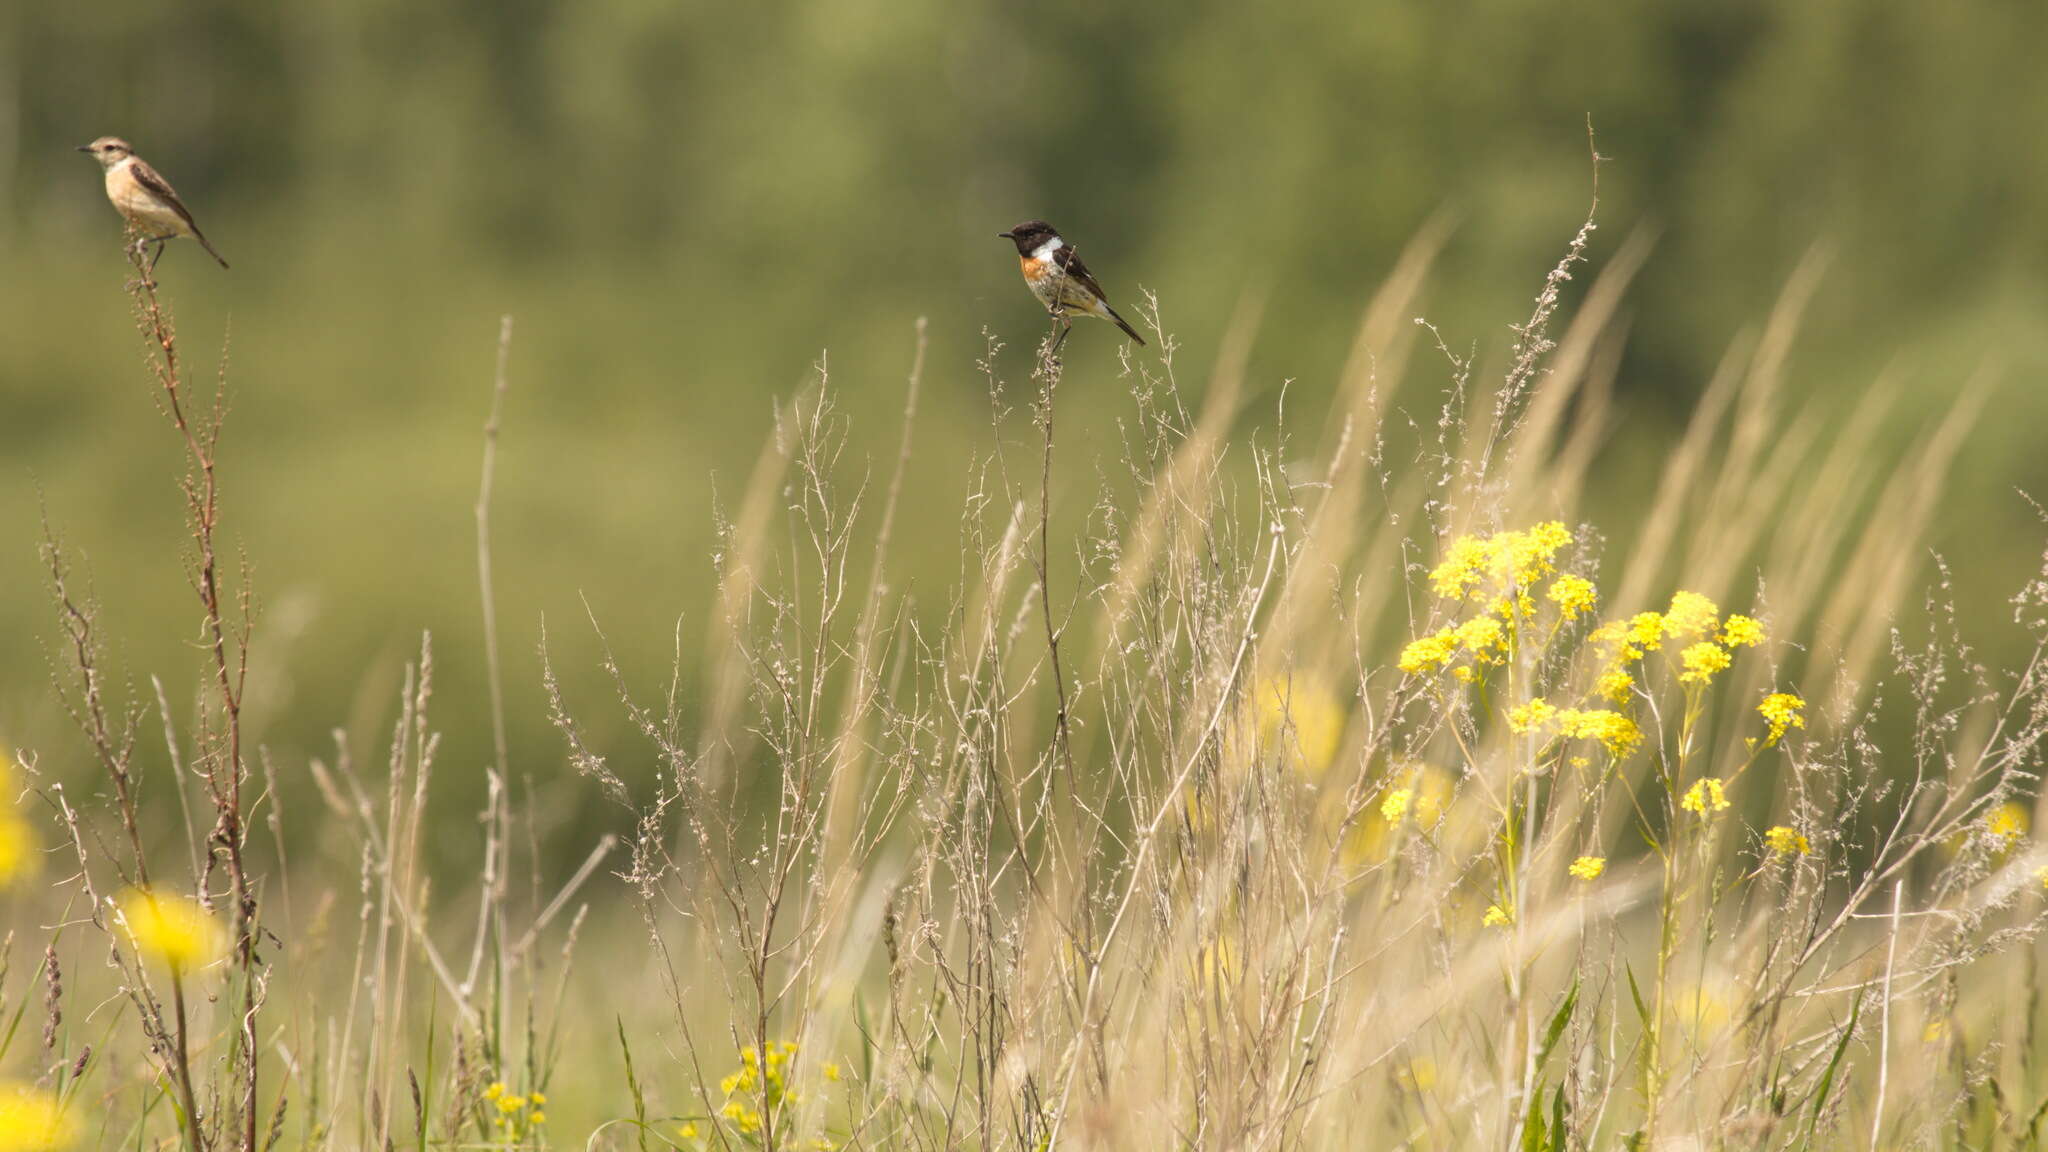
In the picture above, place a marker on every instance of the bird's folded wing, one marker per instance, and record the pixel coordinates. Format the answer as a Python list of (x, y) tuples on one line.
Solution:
[(160, 188), (1070, 264)]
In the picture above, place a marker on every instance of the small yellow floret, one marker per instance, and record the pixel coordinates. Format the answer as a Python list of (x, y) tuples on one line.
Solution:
[(17, 839), (1645, 634), (1706, 796), (174, 930), (831, 1070), (744, 1118), (1614, 685), (1742, 632), (1482, 635), (31, 1120), (1786, 841), (1496, 917), (2007, 824), (1395, 806), (1615, 732), (1464, 565), (1300, 715), (1781, 710), (1429, 653), (1506, 559), (1532, 716), (1574, 596), (1691, 614), (1531, 555), (1702, 661), (1588, 867)]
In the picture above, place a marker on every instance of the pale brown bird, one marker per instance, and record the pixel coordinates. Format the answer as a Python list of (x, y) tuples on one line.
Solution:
[(145, 199)]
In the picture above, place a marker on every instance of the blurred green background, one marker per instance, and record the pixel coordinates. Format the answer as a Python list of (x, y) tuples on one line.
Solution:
[(685, 204)]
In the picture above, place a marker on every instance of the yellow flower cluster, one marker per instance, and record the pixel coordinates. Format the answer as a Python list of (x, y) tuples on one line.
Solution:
[(1497, 917), (1419, 795), (1615, 732), (1574, 596), (2007, 824), (762, 1085), (1531, 717), (517, 1115), (1701, 661), (743, 1117), (1786, 841), (1499, 570), (1706, 796), (1625, 641), (171, 929), (1301, 715), (17, 842), (1429, 653), (1508, 559), (1690, 618), (1646, 631), (1781, 710), (1588, 867), (1395, 806), (1614, 684), (1485, 637), (1690, 615), (31, 1120), (1741, 632)]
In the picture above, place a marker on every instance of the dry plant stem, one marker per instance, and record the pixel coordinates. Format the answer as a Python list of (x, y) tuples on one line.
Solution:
[(1884, 1029), (221, 740), (490, 896), (113, 744), (847, 790), (1149, 838), (483, 546), (1532, 339), (1049, 371)]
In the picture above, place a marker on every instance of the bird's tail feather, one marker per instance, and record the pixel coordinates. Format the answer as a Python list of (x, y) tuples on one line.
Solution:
[(208, 245), (1128, 330)]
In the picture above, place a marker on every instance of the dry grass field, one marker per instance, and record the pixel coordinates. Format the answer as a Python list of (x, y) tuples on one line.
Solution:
[(1319, 781)]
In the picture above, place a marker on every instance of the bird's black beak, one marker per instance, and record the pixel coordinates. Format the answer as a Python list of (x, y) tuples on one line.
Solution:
[(85, 147), (1006, 235)]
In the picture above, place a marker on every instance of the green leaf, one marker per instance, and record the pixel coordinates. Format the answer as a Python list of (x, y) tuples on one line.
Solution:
[(1532, 1126), (1827, 1078), (633, 1085), (1636, 994), (1558, 1020)]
